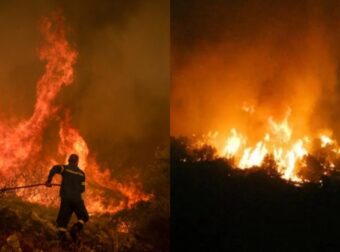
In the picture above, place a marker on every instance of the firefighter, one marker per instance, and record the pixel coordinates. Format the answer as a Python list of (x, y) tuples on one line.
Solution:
[(71, 195)]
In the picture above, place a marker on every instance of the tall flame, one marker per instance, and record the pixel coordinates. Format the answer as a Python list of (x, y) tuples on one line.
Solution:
[(21, 159)]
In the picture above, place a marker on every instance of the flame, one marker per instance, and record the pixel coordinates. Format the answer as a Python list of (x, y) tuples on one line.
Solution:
[(72, 142), (325, 140), (233, 143), (21, 145), (253, 156), (273, 142), (279, 142)]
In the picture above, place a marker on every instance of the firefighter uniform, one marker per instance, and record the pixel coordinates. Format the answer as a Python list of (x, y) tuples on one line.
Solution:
[(71, 191)]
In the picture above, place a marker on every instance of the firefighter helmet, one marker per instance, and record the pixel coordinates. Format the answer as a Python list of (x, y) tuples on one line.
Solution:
[(73, 159)]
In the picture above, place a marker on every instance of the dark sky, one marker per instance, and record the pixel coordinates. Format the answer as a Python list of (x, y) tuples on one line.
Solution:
[(274, 55), (198, 21), (120, 98)]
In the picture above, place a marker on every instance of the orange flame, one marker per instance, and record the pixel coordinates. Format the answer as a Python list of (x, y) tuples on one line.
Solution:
[(287, 151), (21, 145), (72, 142)]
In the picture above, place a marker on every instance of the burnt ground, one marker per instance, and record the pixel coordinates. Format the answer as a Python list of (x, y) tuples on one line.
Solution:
[(217, 208), (31, 227)]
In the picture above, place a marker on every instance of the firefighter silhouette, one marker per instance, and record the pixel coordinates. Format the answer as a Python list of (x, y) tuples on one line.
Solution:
[(71, 194)]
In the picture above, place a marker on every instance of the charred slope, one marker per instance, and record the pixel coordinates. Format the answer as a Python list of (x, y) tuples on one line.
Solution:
[(143, 227), (218, 208), (31, 227)]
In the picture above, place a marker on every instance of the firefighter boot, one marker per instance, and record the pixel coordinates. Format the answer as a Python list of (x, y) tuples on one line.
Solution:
[(76, 228), (62, 238)]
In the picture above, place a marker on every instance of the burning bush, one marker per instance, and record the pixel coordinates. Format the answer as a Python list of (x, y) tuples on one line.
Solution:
[(322, 158)]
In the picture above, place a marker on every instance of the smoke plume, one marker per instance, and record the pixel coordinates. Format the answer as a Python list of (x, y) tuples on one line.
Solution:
[(119, 97), (238, 63)]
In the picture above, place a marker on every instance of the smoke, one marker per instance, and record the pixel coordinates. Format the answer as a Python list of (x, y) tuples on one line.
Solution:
[(119, 98), (277, 57)]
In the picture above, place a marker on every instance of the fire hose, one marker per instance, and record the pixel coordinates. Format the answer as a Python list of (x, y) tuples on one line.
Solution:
[(5, 189)]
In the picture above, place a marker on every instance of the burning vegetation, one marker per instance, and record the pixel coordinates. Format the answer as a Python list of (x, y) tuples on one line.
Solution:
[(304, 159), (255, 125), (259, 81), (130, 214), (23, 156)]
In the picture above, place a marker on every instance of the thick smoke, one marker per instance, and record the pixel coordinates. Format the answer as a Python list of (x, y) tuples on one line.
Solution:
[(272, 55), (119, 99)]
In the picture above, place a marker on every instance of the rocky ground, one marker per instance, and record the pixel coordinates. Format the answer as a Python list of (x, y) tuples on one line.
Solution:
[(31, 227)]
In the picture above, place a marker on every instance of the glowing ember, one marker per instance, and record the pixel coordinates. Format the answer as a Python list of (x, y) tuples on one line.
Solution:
[(325, 140), (123, 227), (248, 108), (21, 159)]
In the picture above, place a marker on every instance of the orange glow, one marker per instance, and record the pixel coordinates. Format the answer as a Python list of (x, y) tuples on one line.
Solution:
[(268, 88), (325, 140), (97, 178), (21, 159), (233, 143), (278, 141)]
